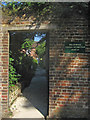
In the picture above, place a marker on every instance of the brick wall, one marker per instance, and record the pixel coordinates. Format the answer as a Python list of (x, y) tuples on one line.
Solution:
[(4, 57), (0, 76), (68, 72)]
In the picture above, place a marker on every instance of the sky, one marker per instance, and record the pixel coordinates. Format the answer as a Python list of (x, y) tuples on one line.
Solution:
[(4, 3), (38, 38)]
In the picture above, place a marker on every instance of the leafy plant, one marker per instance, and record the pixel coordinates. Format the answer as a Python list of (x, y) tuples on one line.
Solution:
[(34, 64), (13, 76), (27, 43), (40, 50), (21, 8)]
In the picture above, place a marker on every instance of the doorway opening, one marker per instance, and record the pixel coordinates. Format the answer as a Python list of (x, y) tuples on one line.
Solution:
[(29, 68)]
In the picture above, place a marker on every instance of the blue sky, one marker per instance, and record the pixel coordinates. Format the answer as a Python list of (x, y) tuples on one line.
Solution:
[(4, 3), (38, 38)]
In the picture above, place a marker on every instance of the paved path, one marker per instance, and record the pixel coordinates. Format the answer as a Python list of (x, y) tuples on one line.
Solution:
[(34, 100)]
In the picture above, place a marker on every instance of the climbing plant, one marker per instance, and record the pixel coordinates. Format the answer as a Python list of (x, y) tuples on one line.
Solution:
[(26, 8), (13, 75), (38, 8)]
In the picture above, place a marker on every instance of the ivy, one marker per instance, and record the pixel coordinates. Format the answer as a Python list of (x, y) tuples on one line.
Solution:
[(28, 8), (13, 76)]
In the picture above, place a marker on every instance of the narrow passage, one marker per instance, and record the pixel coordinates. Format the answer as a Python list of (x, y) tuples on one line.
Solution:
[(34, 101)]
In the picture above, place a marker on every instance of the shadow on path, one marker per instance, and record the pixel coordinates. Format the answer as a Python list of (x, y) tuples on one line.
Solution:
[(37, 92)]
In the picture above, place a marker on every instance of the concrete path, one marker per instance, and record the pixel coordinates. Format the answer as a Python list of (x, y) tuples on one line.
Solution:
[(34, 100)]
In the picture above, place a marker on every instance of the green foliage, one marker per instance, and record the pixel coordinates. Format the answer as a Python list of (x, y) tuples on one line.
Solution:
[(24, 63), (40, 50), (34, 64), (35, 61), (13, 76), (20, 8), (27, 43)]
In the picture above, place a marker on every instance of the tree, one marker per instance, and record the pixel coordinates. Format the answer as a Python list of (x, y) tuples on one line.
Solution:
[(27, 44), (26, 8), (40, 50)]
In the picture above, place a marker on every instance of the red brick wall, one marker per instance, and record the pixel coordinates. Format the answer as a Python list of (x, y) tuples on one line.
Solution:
[(4, 57), (68, 72), (0, 73)]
